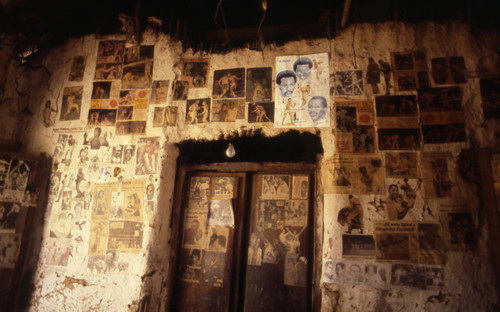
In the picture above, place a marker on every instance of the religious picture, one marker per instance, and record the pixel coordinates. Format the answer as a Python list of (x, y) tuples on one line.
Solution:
[(229, 83), (197, 111), (259, 84), (261, 112), (195, 72)]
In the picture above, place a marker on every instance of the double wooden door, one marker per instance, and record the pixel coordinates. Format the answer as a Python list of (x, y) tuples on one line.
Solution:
[(244, 241)]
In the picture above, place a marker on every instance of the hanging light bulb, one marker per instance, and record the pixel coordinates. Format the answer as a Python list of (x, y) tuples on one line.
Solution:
[(230, 151)]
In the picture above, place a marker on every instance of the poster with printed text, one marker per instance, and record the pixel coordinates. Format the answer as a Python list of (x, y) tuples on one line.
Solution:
[(125, 236), (302, 91)]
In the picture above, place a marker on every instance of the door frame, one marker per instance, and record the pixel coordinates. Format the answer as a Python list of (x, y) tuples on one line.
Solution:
[(249, 168)]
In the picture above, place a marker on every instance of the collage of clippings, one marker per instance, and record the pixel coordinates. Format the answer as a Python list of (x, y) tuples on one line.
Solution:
[(16, 197), (302, 96), (208, 230), (398, 205), (279, 228)]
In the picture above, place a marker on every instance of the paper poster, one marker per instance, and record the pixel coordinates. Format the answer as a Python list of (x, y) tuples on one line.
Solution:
[(221, 213), (435, 174), (276, 186), (410, 70), (354, 126), (125, 236), (346, 83), (71, 103), (416, 242), (229, 83), (441, 115), (259, 84), (195, 72), (133, 194), (228, 110), (261, 112), (448, 70), (302, 95)]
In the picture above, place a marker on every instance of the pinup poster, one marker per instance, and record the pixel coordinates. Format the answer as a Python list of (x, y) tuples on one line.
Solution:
[(302, 91)]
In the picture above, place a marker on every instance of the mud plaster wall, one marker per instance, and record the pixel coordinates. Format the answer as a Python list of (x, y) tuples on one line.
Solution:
[(72, 279)]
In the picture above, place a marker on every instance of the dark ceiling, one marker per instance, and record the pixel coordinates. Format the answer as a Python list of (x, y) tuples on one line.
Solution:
[(223, 24)]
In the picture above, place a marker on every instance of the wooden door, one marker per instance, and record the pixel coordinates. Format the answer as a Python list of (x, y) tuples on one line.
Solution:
[(245, 241), (211, 222), (277, 267)]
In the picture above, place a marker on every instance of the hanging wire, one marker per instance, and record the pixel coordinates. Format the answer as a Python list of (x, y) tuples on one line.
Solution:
[(226, 34)]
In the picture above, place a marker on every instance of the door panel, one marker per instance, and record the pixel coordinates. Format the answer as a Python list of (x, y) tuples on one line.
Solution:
[(261, 231), (211, 210), (276, 271)]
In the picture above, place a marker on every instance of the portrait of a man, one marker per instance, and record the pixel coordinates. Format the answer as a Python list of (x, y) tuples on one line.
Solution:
[(286, 81), (302, 67), (317, 108)]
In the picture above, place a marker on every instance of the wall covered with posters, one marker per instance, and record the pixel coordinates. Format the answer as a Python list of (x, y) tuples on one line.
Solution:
[(394, 105)]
